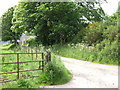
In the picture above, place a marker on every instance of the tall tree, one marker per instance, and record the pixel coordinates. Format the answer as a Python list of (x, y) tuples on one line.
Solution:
[(55, 22), (7, 33), (24, 19)]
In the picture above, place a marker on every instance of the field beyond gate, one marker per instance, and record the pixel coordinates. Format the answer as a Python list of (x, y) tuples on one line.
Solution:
[(13, 67)]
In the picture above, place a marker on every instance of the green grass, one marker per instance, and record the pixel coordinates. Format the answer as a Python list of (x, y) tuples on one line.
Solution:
[(54, 72), (84, 52), (5, 47)]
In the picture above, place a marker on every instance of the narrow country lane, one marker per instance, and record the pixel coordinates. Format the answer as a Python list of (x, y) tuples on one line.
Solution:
[(89, 75)]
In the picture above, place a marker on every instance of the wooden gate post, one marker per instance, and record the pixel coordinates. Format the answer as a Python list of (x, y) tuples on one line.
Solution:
[(48, 56), (32, 52), (42, 62), (36, 52)]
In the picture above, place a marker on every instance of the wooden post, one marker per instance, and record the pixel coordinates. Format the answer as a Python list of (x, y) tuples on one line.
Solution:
[(36, 52), (49, 53), (25, 48), (18, 66), (32, 54), (28, 51), (42, 56), (42, 65), (48, 56), (42, 62)]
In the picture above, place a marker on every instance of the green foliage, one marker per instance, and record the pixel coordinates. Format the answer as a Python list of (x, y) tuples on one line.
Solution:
[(90, 35), (93, 34), (55, 72), (108, 54), (102, 36), (5, 47), (104, 39), (22, 83), (96, 32), (10, 85), (22, 20), (51, 21), (110, 50), (90, 11), (32, 42), (7, 33)]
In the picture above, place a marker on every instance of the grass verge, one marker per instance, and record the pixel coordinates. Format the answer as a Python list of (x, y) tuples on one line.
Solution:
[(83, 52), (54, 73)]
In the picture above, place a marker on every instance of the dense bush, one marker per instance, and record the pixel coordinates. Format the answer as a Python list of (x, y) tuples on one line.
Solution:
[(55, 73), (101, 36), (93, 34), (96, 32), (32, 42), (111, 33), (106, 54), (108, 51)]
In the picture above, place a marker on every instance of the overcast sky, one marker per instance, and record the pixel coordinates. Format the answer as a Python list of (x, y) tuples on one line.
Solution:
[(109, 7)]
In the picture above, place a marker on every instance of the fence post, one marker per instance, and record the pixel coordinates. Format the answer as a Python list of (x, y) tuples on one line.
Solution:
[(18, 66), (42, 62), (32, 53), (48, 56), (36, 52), (28, 51), (42, 56)]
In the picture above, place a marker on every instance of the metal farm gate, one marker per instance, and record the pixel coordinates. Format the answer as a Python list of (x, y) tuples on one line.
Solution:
[(45, 58)]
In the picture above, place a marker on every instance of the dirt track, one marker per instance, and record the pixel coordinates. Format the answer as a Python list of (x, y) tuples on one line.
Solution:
[(89, 75)]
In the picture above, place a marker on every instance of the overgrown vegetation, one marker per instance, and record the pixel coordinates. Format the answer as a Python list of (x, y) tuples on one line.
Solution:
[(54, 72), (78, 30), (98, 42), (108, 55), (50, 22), (6, 23)]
